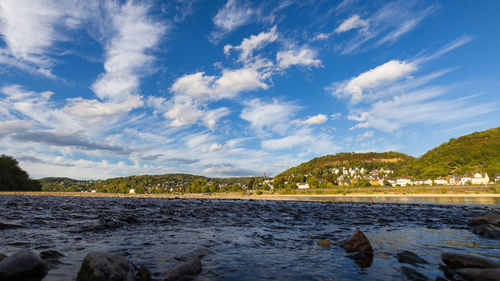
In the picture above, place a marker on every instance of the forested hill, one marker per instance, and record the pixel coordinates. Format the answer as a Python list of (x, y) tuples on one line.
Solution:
[(371, 160), (479, 151), (476, 152), (12, 177)]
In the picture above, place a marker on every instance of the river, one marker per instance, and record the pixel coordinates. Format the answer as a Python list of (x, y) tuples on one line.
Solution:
[(242, 239)]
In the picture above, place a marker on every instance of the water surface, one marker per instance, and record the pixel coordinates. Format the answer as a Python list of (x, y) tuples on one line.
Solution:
[(250, 240)]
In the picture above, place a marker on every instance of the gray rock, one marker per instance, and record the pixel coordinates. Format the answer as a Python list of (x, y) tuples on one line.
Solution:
[(454, 261), (413, 275), (144, 273), (487, 230), (51, 254), (98, 266), (191, 267), (490, 218), (410, 258), (480, 274), (20, 265), (358, 243)]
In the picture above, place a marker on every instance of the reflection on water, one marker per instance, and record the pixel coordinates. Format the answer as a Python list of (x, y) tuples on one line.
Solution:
[(406, 199), (244, 240)]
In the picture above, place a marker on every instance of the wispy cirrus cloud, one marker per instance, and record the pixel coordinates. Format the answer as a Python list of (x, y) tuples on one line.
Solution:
[(232, 15)]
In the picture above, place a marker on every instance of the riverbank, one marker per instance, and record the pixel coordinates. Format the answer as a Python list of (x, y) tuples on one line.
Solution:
[(253, 196)]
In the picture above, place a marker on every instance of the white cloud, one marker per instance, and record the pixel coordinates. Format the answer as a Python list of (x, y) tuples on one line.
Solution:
[(254, 42), (321, 36), (304, 56), (231, 16), (315, 143), (212, 148), (212, 116), (373, 78), (14, 126), (314, 120), (183, 112), (228, 85), (274, 116), (133, 34), (335, 115), (365, 135), (29, 31), (353, 22), (362, 117)]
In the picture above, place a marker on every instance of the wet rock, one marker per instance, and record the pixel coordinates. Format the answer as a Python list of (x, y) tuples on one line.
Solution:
[(358, 243), (490, 218), (410, 258), (23, 264), (487, 225), (413, 275), (455, 261), (480, 274), (487, 230), (51, 254), (2, 257), (98, 266), (191, 267), (323, 243), (144, 273)]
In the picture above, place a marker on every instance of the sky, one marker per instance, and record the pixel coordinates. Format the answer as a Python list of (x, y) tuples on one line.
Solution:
[(100, 89)]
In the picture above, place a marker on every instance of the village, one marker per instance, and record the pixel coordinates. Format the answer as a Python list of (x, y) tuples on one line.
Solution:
[(384, 177)]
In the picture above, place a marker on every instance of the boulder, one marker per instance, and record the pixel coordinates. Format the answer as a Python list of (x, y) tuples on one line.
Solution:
[(487, 230), (410, 258), (98, 266), (480, 274), (490, 218), (413, 275), (51, 254), (191, 267), (358, 243), (144, 273), (23, 264), (487, 225), (455, 261)]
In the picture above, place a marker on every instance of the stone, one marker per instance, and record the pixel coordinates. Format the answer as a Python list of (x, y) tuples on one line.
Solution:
[(480, 274), (487, 230), (191, 267), (455, 261), (490, 218), (410, 258), (98, 266), (144, 273), (323, 243), (358, 243), (413, 275), (2, 257), (51, 254), (23, 264)]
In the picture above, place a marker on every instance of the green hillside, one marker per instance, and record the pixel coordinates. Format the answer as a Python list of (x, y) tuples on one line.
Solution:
[(371, 160), (479, 151)]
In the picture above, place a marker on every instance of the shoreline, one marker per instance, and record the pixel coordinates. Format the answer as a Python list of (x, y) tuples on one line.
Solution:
[(273, 197)]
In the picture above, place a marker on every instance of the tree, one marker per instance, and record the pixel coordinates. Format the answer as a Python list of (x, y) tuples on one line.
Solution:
[(313, 182), (213, 187), (250, 183), (12, 177), (279, 182)]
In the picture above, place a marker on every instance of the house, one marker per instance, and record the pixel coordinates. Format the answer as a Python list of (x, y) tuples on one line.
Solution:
[(417, 182), (131, 191), (480, 178), (375, 182), (441, 181), (403, 181), (428, 182), (497, 177), (455, 180), (93, 191), (466, 179), (302, 185)]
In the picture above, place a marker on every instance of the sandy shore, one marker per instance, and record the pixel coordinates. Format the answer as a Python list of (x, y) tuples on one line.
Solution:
[(281, 197)]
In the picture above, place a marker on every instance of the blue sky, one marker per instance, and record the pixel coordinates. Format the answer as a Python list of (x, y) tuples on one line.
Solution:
[(94, 89)]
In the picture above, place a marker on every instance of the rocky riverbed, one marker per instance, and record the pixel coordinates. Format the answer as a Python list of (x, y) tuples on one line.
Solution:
[(243, 239)]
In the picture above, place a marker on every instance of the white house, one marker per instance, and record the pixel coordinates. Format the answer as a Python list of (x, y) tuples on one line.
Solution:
[(480, 178), (428, 181), (465, 178), (455, 180), (302, 185), (131, 191), (441, 181), (403, 181), (497, 177), (417, 182)]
